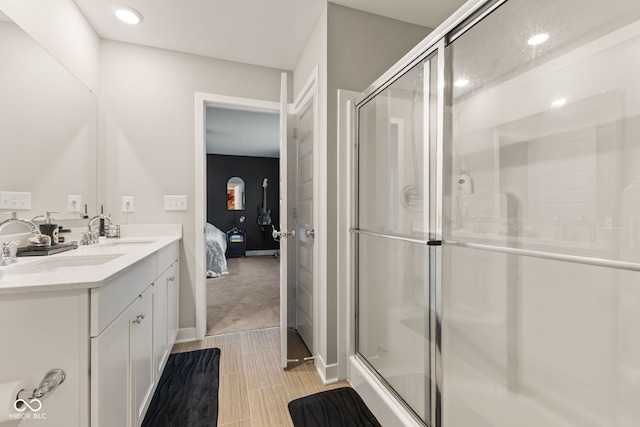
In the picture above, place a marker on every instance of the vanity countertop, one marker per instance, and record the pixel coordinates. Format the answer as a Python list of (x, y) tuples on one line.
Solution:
[(85, 267)]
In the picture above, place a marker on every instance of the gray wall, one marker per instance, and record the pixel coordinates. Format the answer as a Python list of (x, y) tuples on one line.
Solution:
[(361, 47), (68, 37), (351, 49), (146, 110), (146, 126)]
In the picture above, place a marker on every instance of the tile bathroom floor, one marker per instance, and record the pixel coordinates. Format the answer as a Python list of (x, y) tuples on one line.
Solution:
[(254, 389)]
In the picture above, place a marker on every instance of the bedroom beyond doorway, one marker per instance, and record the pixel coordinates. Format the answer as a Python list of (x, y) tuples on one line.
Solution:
[(247, 298)]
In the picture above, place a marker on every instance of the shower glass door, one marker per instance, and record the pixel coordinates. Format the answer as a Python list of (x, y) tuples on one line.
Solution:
[(396, 234), (541, 252)]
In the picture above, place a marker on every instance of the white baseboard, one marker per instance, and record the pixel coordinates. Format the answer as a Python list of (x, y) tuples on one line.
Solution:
[(262, 252), (186, 335), (328, 373)]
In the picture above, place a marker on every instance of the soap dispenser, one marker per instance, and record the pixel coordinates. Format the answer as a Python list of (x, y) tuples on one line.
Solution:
[(51, 230)]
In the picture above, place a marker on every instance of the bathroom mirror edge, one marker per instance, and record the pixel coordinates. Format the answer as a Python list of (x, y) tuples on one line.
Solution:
[(49, 129)]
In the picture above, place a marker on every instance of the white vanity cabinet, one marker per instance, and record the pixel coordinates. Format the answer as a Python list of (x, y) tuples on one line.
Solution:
[(143, 376), (161, 348), (131, 338), (165, 319), (110, 325), (122, 377), (165, 315), (173, 301)]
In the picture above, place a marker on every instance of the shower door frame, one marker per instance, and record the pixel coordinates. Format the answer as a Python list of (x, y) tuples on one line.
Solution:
[(433, 204), (389, 407)]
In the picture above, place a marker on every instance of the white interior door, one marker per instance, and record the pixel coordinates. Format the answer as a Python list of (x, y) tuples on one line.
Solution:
[(298, 283), (304, 220), (284, 225)]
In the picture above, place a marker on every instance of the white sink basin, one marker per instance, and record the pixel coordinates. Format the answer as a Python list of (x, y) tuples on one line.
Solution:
[(62, 264)]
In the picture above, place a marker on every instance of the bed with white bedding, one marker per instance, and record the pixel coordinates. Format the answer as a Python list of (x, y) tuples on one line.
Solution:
[(216, 248)]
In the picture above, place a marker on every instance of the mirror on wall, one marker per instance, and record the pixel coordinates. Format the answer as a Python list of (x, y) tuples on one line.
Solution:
[(47, 129), (235, 194)]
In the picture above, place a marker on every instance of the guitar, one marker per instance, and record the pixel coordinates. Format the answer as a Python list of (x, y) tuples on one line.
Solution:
[(264, 214)]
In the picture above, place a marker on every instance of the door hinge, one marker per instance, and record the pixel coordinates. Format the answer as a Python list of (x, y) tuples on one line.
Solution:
[(295, 213), (295, 133)]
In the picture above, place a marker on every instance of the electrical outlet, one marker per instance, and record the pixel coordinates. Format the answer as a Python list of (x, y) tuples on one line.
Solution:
[(74, 204), (15, 201), (175, 203), (127, 204)]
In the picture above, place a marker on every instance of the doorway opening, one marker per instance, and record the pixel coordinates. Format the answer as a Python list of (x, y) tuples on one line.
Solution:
[(298, 236), (243, 274), (238, 252)]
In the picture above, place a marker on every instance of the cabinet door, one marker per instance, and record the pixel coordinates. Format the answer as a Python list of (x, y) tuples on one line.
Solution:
[(110, 370), (173, 302), (160, 333), (142, 366)]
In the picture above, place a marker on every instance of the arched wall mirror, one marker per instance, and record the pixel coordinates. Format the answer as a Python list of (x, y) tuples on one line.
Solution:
[(235, 194)]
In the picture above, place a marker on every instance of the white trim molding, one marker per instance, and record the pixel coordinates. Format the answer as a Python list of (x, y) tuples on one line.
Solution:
[(186, 335), (202, 101)]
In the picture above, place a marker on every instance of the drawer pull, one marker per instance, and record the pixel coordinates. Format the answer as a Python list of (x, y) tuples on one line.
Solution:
[(138, 319)]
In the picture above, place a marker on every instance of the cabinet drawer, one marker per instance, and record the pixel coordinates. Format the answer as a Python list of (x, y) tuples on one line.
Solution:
[(114, 296), (166, 257)]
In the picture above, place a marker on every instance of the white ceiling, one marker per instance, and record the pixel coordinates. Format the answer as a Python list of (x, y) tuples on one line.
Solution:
[(270, 33), (242, 133)]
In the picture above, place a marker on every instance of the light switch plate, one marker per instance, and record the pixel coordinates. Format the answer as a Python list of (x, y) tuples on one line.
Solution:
[(74, 204), (175, 203), (15, 201), (127, 204)]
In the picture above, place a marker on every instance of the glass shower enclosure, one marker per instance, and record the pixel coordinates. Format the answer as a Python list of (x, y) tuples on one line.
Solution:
[(399, 233), (497, 225)]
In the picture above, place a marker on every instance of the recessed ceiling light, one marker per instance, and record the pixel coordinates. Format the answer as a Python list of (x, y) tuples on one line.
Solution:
[(461, 82), (538, 39), (128, 15), (558, 102)]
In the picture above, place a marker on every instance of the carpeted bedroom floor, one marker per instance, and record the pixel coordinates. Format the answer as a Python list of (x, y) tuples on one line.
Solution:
[(246, 299)]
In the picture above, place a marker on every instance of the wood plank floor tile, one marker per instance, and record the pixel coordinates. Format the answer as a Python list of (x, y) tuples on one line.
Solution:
[(233, 399), (269, 405), (254, 389), (230, 357), (262, 370), (254, 341), (243, 423)]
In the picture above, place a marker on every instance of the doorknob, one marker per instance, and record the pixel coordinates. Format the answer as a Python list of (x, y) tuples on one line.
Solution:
[(280, 234), (310, 233)]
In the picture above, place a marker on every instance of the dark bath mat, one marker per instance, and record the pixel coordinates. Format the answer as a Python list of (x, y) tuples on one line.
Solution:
[(187, 394), (341, 407)]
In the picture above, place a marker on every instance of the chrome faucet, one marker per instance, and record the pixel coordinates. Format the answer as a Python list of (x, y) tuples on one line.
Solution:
[(15, 220), (91, 236), (8, 251), (98, 217)]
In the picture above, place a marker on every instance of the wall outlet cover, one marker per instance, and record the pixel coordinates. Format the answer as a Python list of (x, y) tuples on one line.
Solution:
[(127, 204), (74, 204)]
